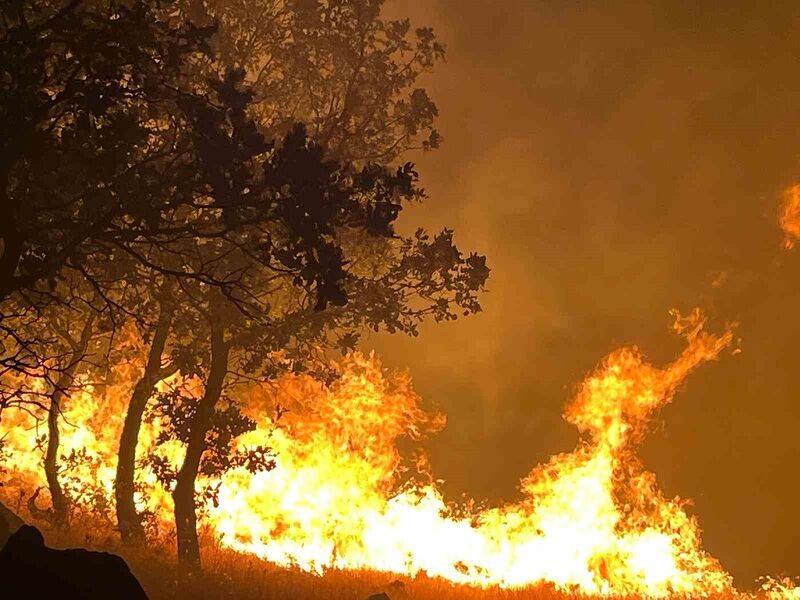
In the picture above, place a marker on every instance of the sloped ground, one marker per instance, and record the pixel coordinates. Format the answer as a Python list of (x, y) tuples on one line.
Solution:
[(232, 576)]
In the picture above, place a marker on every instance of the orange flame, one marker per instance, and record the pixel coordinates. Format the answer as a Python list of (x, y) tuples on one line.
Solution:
[(341, 495), (789, 217)]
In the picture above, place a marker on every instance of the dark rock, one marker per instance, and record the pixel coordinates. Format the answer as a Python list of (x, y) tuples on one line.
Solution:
[(31, 570), (380, 596)]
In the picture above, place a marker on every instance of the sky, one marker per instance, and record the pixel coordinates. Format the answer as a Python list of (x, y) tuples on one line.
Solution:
[(615, 160)]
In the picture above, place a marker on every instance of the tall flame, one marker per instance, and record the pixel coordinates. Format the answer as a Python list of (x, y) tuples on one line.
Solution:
[(342, 494)]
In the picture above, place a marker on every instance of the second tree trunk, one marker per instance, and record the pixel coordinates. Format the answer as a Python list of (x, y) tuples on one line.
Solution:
[(183, 495), (128, 519)]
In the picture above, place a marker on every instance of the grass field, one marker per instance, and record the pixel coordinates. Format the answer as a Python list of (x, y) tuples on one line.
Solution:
[(229, 575)]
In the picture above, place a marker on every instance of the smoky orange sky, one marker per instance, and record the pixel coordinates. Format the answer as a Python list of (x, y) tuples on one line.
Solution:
[(615, 160)]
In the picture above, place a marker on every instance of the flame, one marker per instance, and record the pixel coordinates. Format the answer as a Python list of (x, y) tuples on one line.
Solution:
[(789, 217), (782, 588), (343, 495), (90, 425)]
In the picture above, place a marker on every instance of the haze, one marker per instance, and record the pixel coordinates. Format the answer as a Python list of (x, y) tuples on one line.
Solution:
[(613, 162)]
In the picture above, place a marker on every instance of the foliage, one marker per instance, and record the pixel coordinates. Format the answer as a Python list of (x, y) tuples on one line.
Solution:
[(176, 411), (148, 179), (89, 132), (337, 65)]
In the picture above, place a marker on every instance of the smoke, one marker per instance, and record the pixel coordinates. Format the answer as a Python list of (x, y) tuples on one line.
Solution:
[(612, 161)]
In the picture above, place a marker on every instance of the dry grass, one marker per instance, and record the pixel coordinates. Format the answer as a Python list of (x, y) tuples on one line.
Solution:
[(230, 575)]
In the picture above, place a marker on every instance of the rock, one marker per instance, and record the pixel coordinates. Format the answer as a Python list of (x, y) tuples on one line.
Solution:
[(31, 570), (380, 596)]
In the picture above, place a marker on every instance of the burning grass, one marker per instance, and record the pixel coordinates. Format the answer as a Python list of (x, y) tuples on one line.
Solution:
[(231, 575), (340, 502)]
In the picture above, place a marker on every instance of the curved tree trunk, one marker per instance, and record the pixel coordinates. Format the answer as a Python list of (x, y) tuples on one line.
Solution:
[(128, 520), (183, 495), (65, 380), (58, 498)]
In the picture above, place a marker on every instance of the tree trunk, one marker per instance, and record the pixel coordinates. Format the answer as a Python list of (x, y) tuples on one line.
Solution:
[(183, 495), (13, 242), (128, 520), (58, 499), (10, 254), (65, 379)]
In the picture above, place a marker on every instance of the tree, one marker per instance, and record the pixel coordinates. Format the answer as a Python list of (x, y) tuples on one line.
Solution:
[(339, 67), (76, 335), (90, 137), (128, 521), (76, 353), (89, 129), (174, 186), (303, 213)]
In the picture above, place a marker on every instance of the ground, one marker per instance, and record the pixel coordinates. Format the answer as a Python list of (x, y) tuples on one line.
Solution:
[(229, 575)]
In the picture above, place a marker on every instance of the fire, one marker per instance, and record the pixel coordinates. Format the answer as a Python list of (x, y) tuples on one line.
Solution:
[(789, 217), (783, 588), (343, 495)]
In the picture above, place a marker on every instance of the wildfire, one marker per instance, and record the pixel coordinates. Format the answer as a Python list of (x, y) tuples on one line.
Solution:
[(342, 495)]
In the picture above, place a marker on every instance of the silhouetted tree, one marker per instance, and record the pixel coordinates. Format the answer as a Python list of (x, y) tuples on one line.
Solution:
[(78, 343), (155, 370), (339, 67), (90, 131), (295, 286), (162, 178), (91, 136), (73, 334)]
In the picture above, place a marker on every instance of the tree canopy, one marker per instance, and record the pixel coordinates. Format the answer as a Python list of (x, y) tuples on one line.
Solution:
[(222, 176)]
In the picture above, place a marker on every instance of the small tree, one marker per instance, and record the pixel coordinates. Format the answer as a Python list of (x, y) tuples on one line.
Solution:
[(277, 244), (77, 343), (339, 67), (293, 216), (156, 329), (73, 336)]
